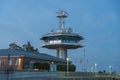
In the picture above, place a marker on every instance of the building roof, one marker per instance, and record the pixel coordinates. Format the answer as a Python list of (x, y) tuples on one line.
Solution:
[(41, 56)]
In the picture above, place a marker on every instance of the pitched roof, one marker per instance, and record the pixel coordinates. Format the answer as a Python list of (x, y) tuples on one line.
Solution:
[(42, 56)]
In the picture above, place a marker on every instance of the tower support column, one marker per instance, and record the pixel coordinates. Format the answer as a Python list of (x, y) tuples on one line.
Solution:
[(61, 53)]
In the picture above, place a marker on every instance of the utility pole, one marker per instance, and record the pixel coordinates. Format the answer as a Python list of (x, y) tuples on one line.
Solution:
[(84, 62)]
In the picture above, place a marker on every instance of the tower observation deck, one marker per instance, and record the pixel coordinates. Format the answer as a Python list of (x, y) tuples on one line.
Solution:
[(62, 39)]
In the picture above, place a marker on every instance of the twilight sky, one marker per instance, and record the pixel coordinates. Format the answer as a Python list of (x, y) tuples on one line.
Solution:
[(98, 21)]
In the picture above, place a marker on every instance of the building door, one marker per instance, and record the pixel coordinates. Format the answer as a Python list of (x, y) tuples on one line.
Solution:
[(53, 67)]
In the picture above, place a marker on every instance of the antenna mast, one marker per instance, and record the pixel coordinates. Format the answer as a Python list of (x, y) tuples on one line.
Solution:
[(61, 15)]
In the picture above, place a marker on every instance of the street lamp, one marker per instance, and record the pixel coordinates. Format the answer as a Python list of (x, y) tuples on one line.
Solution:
[(110, 69), (67, 66), (95, 67)]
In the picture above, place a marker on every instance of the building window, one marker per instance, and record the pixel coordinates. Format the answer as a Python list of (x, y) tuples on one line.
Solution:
[(16, 62), (19, 62), (55, 41), (10, 62)]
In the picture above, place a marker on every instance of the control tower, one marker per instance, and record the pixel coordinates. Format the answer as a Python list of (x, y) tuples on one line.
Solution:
[(62, 39)]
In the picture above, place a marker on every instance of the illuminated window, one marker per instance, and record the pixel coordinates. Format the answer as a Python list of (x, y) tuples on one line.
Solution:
[(59, 41), (19, 61), (51, 42), (55, 41)]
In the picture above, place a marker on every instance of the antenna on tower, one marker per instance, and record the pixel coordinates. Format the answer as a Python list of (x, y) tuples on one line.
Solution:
[(61, 15)]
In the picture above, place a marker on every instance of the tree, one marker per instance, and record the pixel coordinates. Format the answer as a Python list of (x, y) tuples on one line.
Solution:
[(25, 47), (15, 46), (29, 47)]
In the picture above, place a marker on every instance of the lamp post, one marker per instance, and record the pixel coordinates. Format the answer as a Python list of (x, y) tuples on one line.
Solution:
[(110, 69), (95, 67), (67, 66)]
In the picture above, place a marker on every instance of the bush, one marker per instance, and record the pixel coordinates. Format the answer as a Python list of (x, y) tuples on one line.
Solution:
[(63, 67), (42, 66), (60, 67)]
